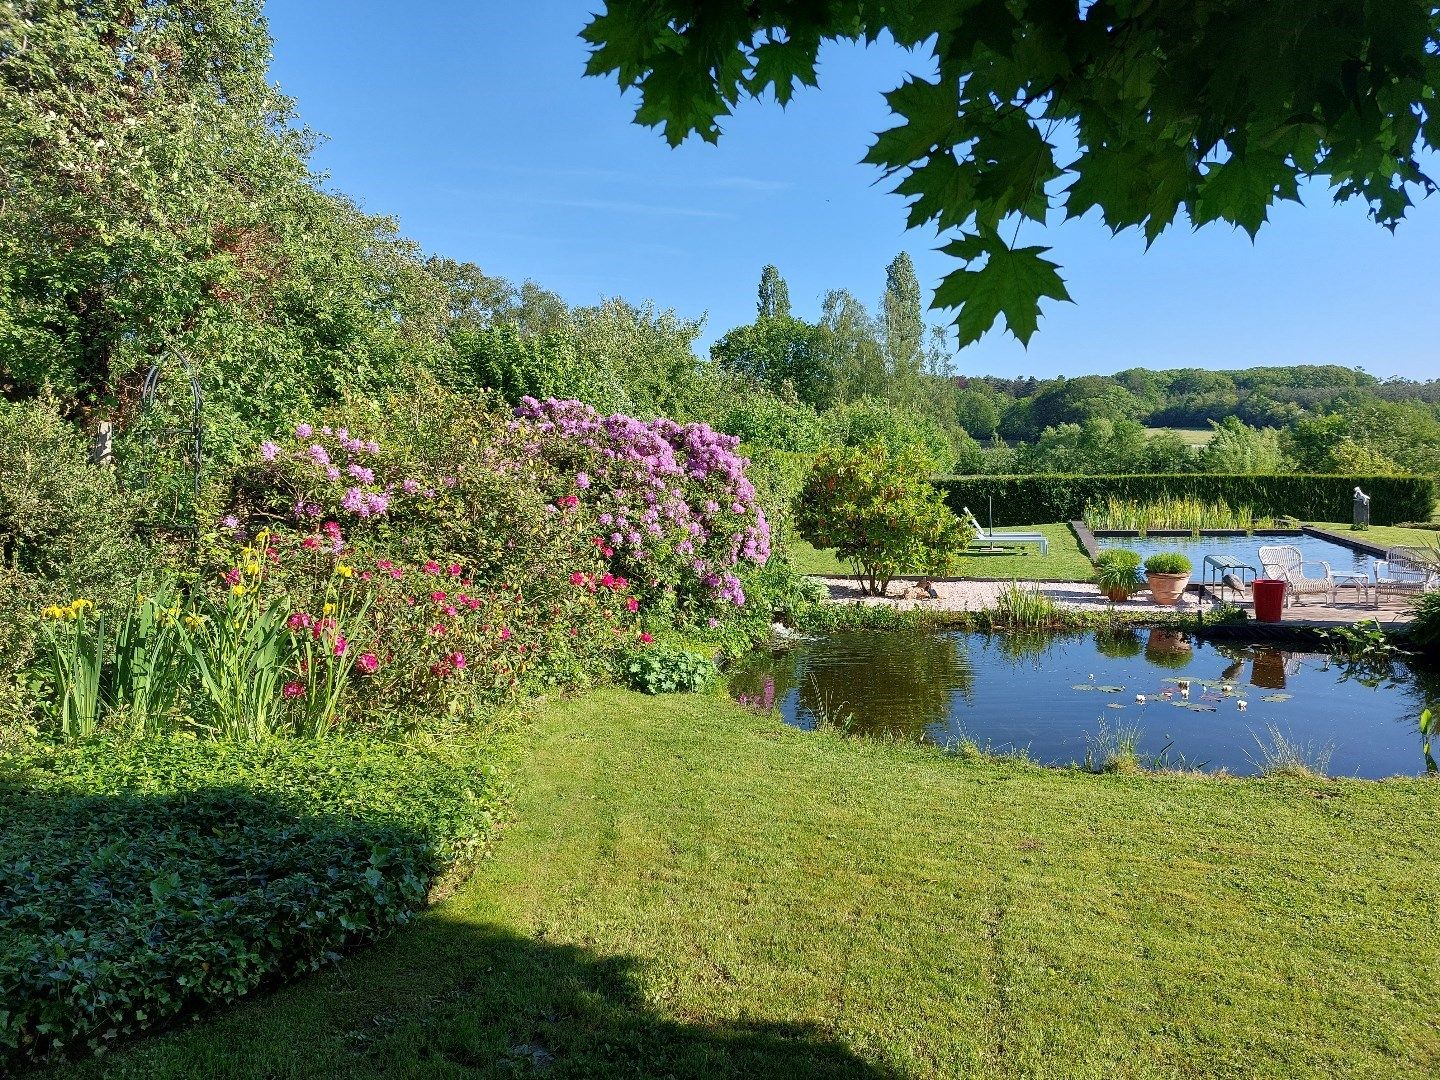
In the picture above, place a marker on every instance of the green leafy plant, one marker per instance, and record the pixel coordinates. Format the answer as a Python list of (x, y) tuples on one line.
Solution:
[(1117, 573), (1425, 627), (1429, 727), (878, 512), (192, 872), (1167, 562), (663, 670)]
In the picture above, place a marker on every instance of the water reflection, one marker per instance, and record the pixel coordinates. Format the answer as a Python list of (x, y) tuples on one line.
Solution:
[(1044, 693)]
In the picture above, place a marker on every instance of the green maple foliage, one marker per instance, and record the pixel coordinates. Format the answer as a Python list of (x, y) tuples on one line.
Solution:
[(1214, 108)]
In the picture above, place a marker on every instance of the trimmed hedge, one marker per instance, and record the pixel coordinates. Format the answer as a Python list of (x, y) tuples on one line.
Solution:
[(140, 880), (1039, 498)]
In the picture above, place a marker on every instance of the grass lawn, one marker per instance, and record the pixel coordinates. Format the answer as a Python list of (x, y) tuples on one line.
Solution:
[(1196, 437), (1385, 535), (1066, 561), (693, 890)]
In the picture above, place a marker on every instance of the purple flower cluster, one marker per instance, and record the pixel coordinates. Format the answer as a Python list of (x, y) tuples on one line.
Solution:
[(671, 501), (341, 471)]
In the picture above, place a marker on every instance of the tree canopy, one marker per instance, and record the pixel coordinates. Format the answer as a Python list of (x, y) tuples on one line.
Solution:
[(1140, 109)]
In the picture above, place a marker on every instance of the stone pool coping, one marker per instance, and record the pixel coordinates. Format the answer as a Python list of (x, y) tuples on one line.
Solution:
[(966, 594)]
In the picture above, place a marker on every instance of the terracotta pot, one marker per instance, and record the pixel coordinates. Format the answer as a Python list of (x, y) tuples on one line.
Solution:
[(1166, 589), (1118, 596)]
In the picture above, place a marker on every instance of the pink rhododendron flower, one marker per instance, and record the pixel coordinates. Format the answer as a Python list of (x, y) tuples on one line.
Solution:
[(294, 690), (457, 660), (303, 431), (504, 633), (269, 450), (431, 567), (232, 576), (319, 455), (367, 662), (632, 604), (646, 639), (341, 645)]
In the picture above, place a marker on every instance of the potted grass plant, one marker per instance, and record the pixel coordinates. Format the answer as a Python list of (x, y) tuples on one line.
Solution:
[(1168, 572), (1117, 573)]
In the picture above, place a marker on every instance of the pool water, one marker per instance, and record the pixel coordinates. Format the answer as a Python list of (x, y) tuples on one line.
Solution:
[(1056, 697), (1244, 548)]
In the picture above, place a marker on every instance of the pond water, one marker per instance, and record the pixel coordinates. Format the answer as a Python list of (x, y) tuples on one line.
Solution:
[(1056, 697), (1244, 548)]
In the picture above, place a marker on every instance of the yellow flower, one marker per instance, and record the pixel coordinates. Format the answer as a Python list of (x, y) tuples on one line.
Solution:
[(328, 609), (54, 611), (237, 590), (344, 571), (194, 621)]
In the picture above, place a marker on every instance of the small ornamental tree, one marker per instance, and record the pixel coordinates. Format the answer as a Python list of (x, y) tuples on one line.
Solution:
[(877, 511)]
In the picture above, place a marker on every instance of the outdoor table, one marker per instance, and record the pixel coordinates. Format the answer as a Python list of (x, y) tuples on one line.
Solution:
[(1219, 566), (1353, 579)]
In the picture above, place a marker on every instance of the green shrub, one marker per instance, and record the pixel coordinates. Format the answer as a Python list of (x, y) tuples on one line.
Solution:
[(1035, 499), (142, 879), (1167, 562), (662, 670), (1425, 630), (63, 521), (879, 513)]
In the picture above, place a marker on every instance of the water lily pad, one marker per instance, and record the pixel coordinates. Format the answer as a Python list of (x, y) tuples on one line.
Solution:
[(1193, 707), (1113, 705), (1277, 697)]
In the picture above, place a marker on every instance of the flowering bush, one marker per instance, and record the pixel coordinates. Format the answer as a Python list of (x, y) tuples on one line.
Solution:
[(878, 513), (670, 503)]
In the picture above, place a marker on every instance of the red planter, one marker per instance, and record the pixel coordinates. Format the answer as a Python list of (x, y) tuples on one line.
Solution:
[(1269, 596)]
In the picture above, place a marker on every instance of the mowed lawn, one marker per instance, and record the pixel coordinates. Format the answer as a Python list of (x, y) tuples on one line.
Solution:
[(693, 890), (1386, 535), (1065, 562)]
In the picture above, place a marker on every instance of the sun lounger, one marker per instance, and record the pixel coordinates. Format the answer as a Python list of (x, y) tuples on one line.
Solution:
[(990, 538)]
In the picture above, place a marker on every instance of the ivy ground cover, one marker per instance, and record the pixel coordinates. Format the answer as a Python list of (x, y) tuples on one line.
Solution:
[(692, 890)]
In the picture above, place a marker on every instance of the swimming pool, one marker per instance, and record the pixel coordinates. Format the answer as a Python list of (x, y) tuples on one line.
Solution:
[(1244, 548)]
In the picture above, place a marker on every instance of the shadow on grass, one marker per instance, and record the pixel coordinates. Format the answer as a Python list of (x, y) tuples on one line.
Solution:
[(116, 903), (499, 1004)]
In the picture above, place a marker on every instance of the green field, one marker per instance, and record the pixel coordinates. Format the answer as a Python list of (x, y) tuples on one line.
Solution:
[(1066, 561), (1196, 437), (690, 889)]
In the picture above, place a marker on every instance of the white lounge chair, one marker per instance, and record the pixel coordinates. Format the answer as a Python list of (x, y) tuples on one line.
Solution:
[(1406, 571), (1287, 563), (990, 538)]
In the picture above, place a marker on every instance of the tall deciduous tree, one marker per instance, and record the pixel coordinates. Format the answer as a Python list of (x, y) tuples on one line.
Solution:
[(1211, 109), (774, 299), (902, 320), (155, 193)]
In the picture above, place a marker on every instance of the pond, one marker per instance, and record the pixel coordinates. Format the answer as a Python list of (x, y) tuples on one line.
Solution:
[(1244, 548), (1056, 698)]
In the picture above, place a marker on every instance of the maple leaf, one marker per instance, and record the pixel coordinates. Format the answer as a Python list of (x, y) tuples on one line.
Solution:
[(1010, 282)]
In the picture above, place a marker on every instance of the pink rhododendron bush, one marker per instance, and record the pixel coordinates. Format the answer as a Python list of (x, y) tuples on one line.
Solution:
[(670, 503), (459, 555)]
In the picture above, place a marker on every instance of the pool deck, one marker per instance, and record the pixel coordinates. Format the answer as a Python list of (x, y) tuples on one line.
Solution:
[(963, 595)]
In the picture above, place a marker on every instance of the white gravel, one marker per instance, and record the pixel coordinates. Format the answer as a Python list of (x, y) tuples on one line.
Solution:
[(958, 595)]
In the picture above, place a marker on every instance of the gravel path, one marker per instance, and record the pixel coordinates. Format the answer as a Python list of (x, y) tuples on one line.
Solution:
[(956, 595)]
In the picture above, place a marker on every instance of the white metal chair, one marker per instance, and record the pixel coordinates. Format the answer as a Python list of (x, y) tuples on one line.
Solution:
[(1286, 562), (1406, 571)]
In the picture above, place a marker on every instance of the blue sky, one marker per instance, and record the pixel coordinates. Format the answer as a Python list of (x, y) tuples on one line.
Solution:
[(472, 124)]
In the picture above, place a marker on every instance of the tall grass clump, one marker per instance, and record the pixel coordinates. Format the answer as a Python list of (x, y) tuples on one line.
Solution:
[(1172, 512), (1114, 749), (1024, 607), (1282, 755)]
